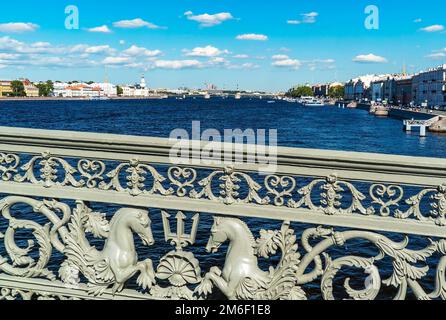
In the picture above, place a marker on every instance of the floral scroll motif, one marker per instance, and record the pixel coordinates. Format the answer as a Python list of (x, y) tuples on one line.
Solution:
[(331, 197), (8, 165), (437, 202), (137, 174), (229, 192), (49, 168)]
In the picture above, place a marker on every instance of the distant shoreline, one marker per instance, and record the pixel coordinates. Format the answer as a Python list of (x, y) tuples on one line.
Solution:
[(75, 99)]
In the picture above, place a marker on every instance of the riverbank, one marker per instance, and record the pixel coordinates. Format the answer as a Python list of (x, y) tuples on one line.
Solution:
[(77, 99), (406, 114)]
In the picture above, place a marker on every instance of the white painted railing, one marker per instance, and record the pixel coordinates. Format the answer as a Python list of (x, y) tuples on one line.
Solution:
[(371, 198)]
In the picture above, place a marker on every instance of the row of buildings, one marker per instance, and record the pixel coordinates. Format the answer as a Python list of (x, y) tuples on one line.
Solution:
[(84, 90), (30, 89), (427, 88), (80, 89), (323, 90)]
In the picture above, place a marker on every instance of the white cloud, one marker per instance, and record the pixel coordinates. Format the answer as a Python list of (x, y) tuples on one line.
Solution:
[(116, 60), (437, 56), (433, 28), (369, 58), (13, 45), (176, 64), (135, 24), (209, 20), (247, 66), (208, 51), (98, 49), (280, 57), (324, 61), (8, 56), (252, 36), (241, 56), (309, 17), (139, 51), (101, 29), (287, 63), (121, 42), (40, 44), (18, 27)]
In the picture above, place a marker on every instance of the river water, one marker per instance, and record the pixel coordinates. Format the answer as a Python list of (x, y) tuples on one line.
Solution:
[(329, 128), (313, 127)]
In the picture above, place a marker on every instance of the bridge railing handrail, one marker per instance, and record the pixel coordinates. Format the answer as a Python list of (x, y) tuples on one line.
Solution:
[(359, 166)]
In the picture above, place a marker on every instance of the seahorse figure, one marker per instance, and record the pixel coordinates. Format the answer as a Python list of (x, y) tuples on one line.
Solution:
[(118, 261), (241, 277)]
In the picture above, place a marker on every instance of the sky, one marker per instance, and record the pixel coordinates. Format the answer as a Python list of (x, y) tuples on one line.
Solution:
[(252, 45)]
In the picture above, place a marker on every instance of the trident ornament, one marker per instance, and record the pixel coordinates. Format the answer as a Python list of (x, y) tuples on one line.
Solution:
[(180, 239)]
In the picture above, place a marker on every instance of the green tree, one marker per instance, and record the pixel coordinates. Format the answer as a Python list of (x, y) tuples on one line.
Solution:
[(45, 88), (50, 87), (300, 91), (337, 92), (18, 89), (119, 90)]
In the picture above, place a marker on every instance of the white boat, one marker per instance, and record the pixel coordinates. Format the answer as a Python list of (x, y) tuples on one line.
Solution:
[(99, 98), (311, 102), (238, 96), (207, 96)]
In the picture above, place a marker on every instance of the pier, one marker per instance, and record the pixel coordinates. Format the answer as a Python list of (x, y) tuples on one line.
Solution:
[(423, 125)]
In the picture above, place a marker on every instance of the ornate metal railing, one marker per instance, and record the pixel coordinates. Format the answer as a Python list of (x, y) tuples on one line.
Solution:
[(72, 202)]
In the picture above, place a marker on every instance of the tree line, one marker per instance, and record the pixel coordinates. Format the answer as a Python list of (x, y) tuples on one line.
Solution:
[(335, 92)]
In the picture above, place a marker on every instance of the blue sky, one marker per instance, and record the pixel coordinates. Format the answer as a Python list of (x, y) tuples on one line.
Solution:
[(268, 45)]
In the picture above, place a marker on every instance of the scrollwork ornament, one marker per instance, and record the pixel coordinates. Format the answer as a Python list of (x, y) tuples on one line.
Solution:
[(8, 165), (92, 170), (136, 176), (49, 172), (331, 196), (287, 185), (182, 178), (229, 188), (393, 193)]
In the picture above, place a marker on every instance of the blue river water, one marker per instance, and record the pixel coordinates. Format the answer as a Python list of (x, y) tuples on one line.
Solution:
[(312, 127), (329, 128)]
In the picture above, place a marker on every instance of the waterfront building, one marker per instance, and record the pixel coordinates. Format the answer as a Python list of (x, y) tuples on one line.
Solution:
[(107, 89), (30, 89), (60, 89), (137, 90), (84, 90), (383, 88), (5, 88), (361, 88), (321, 90), (76, 90), (128, 91), (429, 87), (403, 90)]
